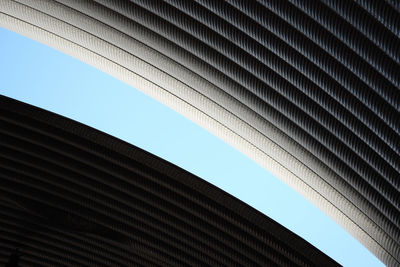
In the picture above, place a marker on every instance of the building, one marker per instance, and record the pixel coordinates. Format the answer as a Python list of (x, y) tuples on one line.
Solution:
[(74, 196), (308, 89)]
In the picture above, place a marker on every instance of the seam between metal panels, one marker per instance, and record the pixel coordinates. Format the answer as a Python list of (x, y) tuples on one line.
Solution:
[(228, 130), (368, 25), (168, 248), (321, 58), (320, 115), (277, 121), (51, 247), (78, 241), (95, 217), (307, 26), (333, 91), (112, 205), (140, 206), (30, 197), (62, 237), (119, 200), (383, 13), (334, 24)]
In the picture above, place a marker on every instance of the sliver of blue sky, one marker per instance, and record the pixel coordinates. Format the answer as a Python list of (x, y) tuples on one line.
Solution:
[(44, 77)]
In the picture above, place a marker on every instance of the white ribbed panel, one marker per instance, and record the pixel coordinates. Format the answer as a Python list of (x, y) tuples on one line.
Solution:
[(160, 77)]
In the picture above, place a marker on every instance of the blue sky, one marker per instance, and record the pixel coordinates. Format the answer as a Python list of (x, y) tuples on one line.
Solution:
[(44, 77)]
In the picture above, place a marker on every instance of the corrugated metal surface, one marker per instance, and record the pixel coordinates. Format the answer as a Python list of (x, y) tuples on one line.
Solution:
[(74, 196), (308, 89)]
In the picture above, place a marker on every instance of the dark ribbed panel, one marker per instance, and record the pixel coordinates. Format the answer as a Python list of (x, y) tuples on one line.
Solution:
[(383, 13), (346, 111), (259, 89), (314, 93), (325, 74), (337, 108), (72, 196)]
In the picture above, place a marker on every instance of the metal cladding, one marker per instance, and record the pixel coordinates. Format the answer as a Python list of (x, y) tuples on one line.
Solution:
[(309, 89), (71, 195)]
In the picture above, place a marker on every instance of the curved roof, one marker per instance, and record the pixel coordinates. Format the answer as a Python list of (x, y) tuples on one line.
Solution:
[(71, 195), (308, 89)]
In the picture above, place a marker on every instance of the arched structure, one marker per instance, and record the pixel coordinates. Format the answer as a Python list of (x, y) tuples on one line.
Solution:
[(308, 89), (73, 196)]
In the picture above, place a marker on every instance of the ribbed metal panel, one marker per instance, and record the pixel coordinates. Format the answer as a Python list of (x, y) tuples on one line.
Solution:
[(73, 196), (308, 89)]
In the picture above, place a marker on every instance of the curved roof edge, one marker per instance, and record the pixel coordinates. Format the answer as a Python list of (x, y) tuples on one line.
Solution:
[(74, 195), (170, 64)]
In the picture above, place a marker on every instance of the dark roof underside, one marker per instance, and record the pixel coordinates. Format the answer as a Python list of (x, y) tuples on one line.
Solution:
[(311, 85), (73, 196)]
